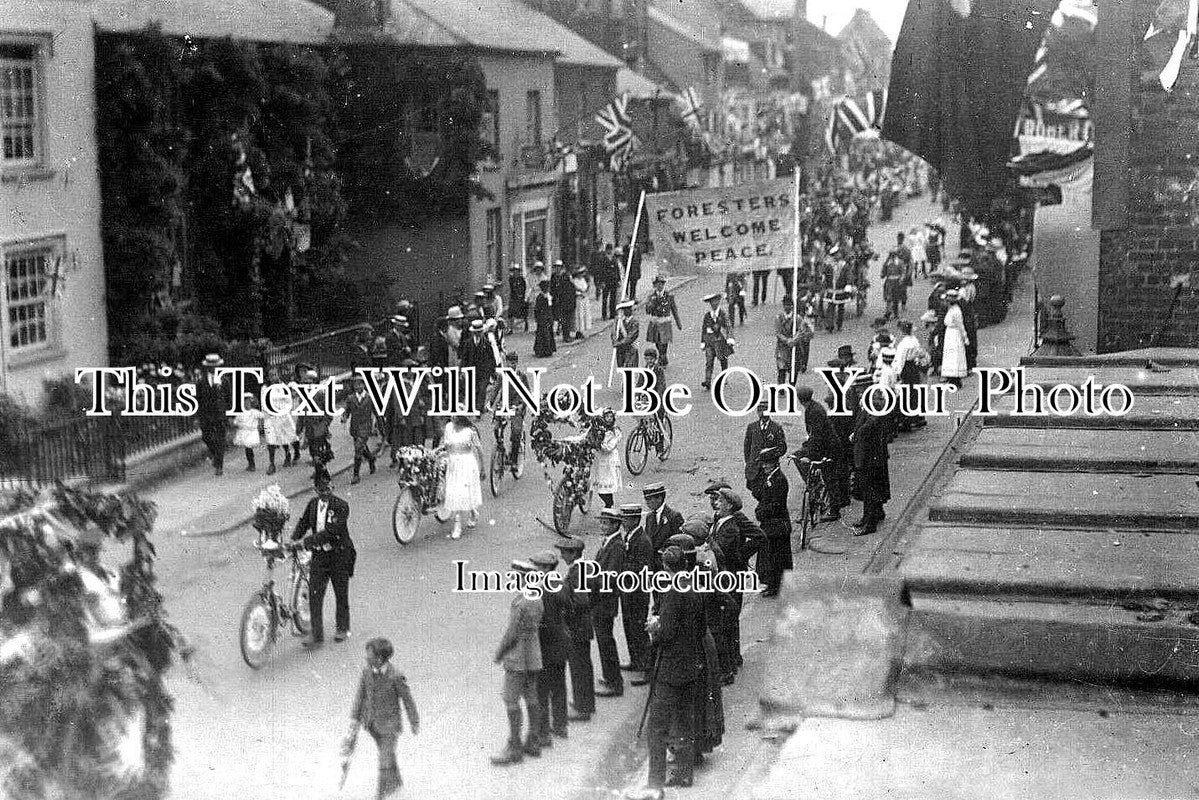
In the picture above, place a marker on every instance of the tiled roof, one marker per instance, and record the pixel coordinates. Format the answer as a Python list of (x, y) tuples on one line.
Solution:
[(709, 39), (502, 25), (296, 21)]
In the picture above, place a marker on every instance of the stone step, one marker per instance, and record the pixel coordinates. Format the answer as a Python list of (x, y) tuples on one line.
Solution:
[(1051, 641), (1153, 411), (1053, 563), (1084, 500), (1085, 450), (1171, 380)]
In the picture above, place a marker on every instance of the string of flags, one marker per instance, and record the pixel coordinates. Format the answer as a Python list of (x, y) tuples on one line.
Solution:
[(849, 118)]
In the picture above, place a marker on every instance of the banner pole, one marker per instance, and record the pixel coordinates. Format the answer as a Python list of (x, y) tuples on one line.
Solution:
[(795, 258), (624, 281)]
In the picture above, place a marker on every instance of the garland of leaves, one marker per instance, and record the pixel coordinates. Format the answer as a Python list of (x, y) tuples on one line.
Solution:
[(81, 659), (571, 453)]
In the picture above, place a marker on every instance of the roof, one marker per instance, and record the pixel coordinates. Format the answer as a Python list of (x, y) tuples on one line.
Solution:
[(705, 38), (640, 87), (294, 21), (863, 27), (501, 25), (770, 10)]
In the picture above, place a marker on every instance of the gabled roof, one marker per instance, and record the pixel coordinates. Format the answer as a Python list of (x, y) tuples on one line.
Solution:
[(497, 25), (863, 28), (294, 21), (708, 39)]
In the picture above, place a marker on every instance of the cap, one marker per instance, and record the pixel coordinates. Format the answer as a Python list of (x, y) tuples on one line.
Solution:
[(716, 486), (770, 453), (455, 312), (547, 559), (672, 558), (659, 279), (696, 528), (571, 544), (625, 304), (521, 565), (683, 541), (610, 514), (710, 297), (731, 497), (845, 351), (652, 489), (630, 510)]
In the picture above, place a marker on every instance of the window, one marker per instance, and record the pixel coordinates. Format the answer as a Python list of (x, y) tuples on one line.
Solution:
[(31, 271), (533, 118), (495, 254), (490, 132), (20, 105)]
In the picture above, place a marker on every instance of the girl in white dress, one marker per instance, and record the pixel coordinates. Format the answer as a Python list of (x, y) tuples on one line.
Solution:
[(953, 354), (246, 425), (606, 475), (280, 429), (463, 482)]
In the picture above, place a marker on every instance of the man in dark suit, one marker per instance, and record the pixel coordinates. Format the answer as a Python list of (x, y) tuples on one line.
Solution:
[(381, 691), (678, 634), (360, 415), (758, 436), (771, 493), (606, 604), (824, 442), (872, 481), (634, 605), (661, 521), (323, 529), (576, 608), (213, 400), (399, 346), (554, 637)]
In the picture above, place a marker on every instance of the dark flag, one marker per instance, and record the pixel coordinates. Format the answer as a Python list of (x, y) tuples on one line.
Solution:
[(957, 82)]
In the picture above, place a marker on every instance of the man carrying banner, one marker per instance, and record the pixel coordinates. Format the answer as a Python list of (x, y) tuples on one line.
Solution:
[(716, 335), (662, 311), (625, 333)]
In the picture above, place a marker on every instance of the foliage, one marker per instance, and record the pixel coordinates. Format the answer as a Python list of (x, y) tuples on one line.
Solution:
[(83, 651), (577, 454)]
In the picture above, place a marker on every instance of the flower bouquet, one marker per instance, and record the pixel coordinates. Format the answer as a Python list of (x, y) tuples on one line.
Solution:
[(418, 465), (272, 509)]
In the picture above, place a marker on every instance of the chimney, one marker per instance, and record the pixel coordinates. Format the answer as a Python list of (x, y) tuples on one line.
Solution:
[(824, 23)]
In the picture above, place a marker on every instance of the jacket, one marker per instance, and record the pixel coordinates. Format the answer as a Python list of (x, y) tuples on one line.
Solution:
[(360, 414), (680, 638), (611, 558), (757, 439), (658, 533), (334, 542), (772, 511), (638, 552), (576, 606), (520, 646), (377, 702), (552, 633)]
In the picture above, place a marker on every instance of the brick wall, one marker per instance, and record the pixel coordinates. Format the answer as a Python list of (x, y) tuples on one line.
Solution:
[(1142, 262)]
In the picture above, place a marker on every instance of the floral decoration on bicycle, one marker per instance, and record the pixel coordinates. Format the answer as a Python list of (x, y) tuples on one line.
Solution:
[(575, 453), (271, 509), (417, 465)]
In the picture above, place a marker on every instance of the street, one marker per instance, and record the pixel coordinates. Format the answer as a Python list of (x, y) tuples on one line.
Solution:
[(276, 732)]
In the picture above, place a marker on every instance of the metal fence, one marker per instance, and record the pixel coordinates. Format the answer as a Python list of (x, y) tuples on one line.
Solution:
[(88, 448)]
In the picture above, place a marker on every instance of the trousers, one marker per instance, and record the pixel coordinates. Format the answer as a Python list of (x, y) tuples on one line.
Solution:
[(551, 698), (634, 609), (319, 578), (582, 676), (389, 771), (603, 619), (213, 435), (671, 708), (521, 685)]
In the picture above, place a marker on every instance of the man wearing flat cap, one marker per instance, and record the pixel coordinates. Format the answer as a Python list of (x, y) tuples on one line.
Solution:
[(605, 605), (360, 416), (661, 521), (775, 520), (716, 337), (520, 653), (555, 649), (662, 311), (576, 609), (625, 332), (634, 605), (360, 354)]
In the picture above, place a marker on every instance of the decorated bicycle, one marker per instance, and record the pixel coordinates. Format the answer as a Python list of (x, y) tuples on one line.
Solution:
[(575, 454), (421, 476), (267, 610)]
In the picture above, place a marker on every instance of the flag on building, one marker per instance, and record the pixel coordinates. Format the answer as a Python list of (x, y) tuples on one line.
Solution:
[(850, 118), (691, 105), (619, 140)]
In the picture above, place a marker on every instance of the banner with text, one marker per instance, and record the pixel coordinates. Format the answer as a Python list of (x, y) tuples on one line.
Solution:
[(725, 229)]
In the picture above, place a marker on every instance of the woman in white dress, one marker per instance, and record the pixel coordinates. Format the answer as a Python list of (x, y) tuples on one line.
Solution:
[(953, 353), (463, 482), (606, 475), (582, 284)]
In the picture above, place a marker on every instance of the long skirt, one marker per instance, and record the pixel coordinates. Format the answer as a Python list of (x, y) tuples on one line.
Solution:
[(953, 355), (463, 489), (543, 344)]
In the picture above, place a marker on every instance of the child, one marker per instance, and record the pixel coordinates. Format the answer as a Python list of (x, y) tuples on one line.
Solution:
[(247, 425), (281, 431), (381, 690)]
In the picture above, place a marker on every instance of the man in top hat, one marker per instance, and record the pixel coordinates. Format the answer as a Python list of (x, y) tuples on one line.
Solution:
[(576, 609), (555, 650), (323, 528), (360, 415), (625, 333), (605, 605), (716, 337), (771, 493), (759, 435), (634, 605), (661, 521), (678, 633), (824, 442), (520, 653), (214, 399), (662, 311)]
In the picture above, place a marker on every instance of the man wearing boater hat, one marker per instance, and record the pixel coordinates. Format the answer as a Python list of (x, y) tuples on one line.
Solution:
[(661, 521), (634, 605), (605, 605)]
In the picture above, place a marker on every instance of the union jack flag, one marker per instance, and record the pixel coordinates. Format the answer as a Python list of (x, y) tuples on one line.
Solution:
[(692, 104), (619, 141), (851, 118)]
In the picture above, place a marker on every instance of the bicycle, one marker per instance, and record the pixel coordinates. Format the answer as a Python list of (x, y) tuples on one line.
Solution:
[(422, 489), (267, 610), (651, 431), (507, 457), (816, 500), (573, 491)]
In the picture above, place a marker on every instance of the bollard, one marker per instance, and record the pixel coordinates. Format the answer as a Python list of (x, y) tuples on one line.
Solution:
[(1055, 339)]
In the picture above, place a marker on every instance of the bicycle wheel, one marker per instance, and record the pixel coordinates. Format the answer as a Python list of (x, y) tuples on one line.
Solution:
[(666, 440), (805, 519), (564, 507), (861, 302), (405, 515), (499, 466), (301, 618), (636, 451), (257, 632)]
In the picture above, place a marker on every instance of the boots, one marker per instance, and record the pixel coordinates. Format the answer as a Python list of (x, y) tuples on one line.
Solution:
[(512, 753)]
